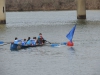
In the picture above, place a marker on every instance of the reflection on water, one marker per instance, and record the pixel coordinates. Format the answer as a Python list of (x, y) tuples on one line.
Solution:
[(72, 50), (82, 22), (82, 59), (2, 26)]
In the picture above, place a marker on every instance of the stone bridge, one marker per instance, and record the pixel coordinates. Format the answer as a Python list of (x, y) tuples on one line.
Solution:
[(81, 10)]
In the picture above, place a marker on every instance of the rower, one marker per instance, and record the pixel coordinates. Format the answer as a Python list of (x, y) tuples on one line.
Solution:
[(34, 40), (24, 42), (16, 41), (40, 40), (28, 41)]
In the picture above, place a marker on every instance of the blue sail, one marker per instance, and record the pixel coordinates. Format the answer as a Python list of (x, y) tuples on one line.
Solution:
[(71, 33)]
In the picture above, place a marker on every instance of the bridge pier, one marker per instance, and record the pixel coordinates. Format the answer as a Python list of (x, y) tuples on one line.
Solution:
[(2, 12), (81, 9)]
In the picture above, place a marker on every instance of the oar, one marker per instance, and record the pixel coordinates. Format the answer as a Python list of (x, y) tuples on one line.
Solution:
[(56, 44), (1, 42), (51, 42), (48, 41)]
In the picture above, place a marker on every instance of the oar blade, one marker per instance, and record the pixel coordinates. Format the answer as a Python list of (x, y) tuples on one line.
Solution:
[(1, 42), (64, 43), (54, 45), (58, 45)]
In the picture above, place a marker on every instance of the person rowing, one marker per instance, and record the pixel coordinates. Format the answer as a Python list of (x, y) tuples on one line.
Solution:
[(28, 41), (33, 41), (16, 41), (40, 40), (24, 42)]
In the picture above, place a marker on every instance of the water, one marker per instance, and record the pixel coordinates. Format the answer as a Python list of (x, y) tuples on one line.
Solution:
[(81, 59)]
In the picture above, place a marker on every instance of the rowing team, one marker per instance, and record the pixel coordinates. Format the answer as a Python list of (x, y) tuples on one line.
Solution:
[(35, 41)]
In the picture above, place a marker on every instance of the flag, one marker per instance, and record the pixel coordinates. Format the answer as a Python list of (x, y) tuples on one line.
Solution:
[(71, 33)]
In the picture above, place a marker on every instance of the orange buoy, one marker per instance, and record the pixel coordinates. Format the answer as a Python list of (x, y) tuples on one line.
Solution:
[(69, 43)]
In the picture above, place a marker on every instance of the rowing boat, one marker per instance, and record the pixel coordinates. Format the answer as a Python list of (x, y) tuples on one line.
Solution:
[(15, 47)]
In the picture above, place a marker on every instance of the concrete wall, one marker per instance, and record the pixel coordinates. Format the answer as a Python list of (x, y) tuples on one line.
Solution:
[(2, 12)]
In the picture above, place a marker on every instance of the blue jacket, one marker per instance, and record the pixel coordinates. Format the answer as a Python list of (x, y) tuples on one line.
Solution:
[(28, 42), (33, 42), (17, 41), (23, 43)]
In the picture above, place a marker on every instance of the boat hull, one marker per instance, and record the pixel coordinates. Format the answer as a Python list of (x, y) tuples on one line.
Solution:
[(16, 47)]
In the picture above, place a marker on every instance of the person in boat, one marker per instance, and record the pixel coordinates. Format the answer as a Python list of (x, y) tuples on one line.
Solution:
[(40, 40), (16, 41), (24, 42), (28, 41), (34, 40)]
